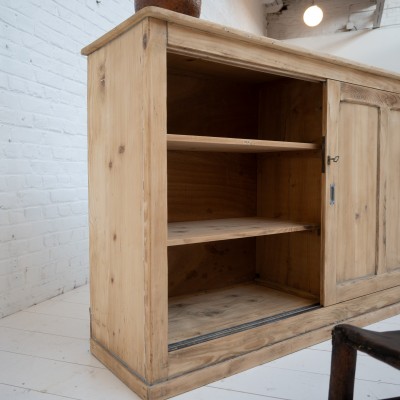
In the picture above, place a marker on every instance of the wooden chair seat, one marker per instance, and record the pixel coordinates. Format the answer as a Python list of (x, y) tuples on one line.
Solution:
[(346, 340)]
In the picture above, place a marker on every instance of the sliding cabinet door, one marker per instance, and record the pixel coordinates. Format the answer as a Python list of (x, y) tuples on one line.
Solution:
[(361, 192)]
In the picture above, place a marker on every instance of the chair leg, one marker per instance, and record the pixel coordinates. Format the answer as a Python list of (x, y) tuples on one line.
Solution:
[(343, 368)]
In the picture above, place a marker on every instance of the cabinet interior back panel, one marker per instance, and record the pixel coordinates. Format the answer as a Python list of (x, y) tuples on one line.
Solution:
[(291, 110), (205, 185), (205, 266), (291, 262), (207, 106)]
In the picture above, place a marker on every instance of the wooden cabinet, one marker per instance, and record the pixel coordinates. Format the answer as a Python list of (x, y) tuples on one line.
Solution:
[(243, 198)]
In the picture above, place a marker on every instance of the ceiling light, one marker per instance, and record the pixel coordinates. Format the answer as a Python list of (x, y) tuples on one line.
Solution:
[(313, 16)]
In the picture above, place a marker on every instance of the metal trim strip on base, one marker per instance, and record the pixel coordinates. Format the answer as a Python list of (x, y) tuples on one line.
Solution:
[(239, 328)]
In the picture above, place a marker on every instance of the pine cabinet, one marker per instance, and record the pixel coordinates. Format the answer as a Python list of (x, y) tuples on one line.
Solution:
[(243, 198)]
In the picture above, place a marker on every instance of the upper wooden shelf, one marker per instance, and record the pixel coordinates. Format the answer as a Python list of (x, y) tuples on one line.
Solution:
[(233, 228), (217, 144)]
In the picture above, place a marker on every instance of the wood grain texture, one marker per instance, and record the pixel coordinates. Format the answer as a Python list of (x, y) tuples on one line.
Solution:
[(329, 213), (343, 368), (211, 311), (154, 186), (290, 188), (215, 144), (122, 371), (366, 244), (112, 161), (287, 331), (356, 192), (186, 65), (384, 171), (214, 265), (289, 184), (205, 105), (220, 370), (344, 68), (370, 284), (347, 340), (189, 381), (180, 233), (196, 42), (288, 289), (204, 185), (291, 110), (363, 95), (390, 191), (291, 262), (127, 164)]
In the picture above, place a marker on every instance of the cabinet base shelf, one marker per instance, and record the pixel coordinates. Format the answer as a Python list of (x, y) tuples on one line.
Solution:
[(209, 315), (240, 328)]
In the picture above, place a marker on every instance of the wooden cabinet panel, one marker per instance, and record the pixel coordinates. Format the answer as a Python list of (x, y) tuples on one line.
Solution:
[(127, 151), (391, 193), (356, 191), (361, 226)]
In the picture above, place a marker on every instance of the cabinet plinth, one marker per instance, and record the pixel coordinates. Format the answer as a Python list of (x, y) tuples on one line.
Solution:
[(220, 237)]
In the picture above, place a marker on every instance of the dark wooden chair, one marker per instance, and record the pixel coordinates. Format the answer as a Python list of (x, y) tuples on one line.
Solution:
[(346, 340)]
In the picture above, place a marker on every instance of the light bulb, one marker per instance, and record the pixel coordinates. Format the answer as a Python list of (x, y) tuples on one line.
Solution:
[(313, 16)]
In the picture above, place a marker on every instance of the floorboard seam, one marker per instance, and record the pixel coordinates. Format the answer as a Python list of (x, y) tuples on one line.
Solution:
[(38, 391), (56, 315), (51, 359), (44, 333)]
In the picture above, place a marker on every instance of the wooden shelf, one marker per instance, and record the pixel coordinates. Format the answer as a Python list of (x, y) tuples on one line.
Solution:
[(217, 144), (211, 311), (233, 228)]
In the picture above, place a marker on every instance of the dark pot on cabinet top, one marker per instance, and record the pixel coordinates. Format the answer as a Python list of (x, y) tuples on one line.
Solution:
[(188, 7)]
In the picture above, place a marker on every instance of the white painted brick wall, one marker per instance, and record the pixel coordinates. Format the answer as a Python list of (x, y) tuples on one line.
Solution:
[(43, 172)]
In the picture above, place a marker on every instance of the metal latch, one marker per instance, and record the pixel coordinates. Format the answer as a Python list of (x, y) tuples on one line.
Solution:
[(333, 159)]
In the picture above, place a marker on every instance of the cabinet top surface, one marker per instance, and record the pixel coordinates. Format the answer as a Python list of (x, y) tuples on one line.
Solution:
[(218, 30)]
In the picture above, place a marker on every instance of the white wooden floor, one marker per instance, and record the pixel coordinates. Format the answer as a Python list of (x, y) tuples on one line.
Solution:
[(44, 355)]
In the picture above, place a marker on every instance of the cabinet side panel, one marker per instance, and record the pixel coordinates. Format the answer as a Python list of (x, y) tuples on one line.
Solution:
[(155, 197), (116, 200), (391, 202), (119, 204), (356, 192)]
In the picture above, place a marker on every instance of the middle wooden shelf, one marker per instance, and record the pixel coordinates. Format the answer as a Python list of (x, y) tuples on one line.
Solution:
[(221, 144), (190, 232)]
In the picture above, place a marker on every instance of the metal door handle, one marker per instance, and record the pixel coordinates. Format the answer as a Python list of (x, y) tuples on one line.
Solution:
[(332, 194)]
